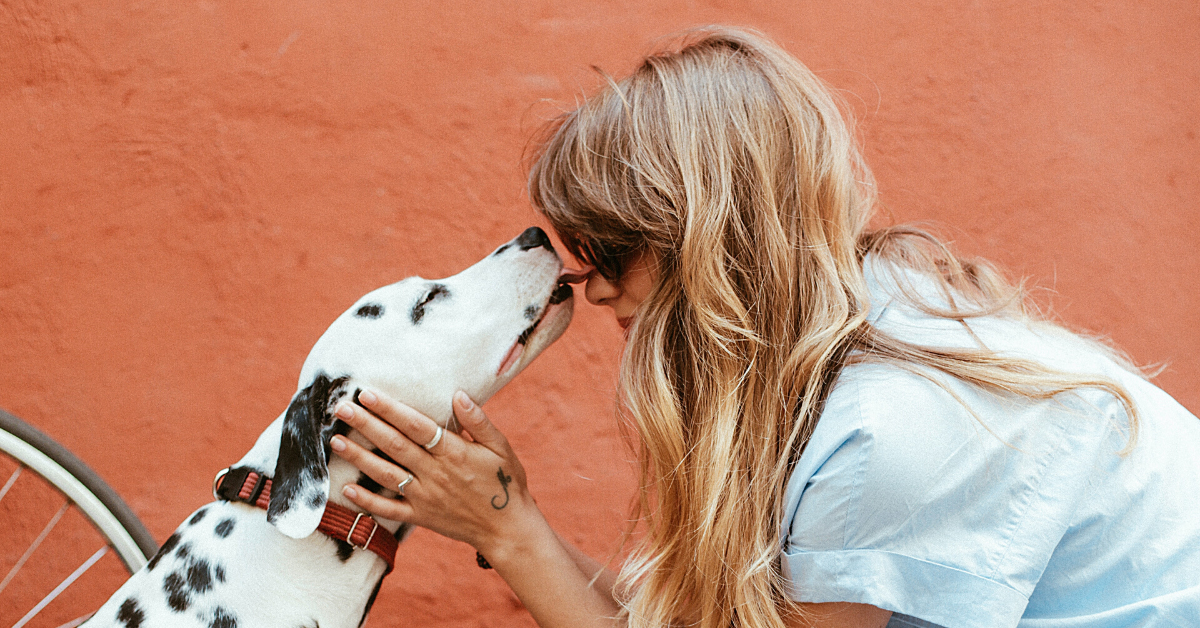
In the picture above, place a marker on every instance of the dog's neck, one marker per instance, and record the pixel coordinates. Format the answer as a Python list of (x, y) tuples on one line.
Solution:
[(263, 457)]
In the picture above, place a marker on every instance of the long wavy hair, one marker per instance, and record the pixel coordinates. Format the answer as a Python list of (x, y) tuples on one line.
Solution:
[(729, 164)]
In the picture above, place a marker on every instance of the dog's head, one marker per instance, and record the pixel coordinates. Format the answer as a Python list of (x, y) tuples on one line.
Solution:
[(419, 341)]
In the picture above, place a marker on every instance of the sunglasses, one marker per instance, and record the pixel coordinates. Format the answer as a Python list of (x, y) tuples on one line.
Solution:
[(609, 260)]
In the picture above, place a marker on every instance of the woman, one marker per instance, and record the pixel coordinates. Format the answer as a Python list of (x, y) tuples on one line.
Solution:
[(836, 426)]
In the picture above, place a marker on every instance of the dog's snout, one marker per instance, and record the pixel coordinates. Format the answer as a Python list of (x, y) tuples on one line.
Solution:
[(532, 238)]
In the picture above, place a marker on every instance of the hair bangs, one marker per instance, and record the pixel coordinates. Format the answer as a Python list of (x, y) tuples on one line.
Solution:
[(579, 182)]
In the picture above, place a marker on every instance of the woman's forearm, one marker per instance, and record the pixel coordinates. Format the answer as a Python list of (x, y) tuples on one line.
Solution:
[(603, 579), (553, 578)]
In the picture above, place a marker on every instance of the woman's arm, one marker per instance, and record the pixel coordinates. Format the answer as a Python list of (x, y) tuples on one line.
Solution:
[(605, 578), (475, 491)]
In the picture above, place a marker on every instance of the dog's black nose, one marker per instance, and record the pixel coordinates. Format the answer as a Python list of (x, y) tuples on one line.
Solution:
[(532, 238)]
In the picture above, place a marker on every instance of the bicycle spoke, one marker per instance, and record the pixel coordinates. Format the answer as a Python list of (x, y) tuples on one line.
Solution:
[(87, 564), (11, 480), (36, 542), (36, 473)]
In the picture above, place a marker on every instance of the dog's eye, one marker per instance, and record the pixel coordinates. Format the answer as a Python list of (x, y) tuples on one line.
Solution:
[(436, 291)]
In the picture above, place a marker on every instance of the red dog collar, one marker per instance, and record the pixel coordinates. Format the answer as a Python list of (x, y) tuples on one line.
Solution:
[(358, 529)]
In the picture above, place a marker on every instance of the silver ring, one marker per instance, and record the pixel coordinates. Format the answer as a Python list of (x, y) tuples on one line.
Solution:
[(400, 486), (437, 438)]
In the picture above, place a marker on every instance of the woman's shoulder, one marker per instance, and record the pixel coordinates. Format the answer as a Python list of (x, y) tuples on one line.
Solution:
[(901, 442), (915, 473), (895, 422), (882, 432)]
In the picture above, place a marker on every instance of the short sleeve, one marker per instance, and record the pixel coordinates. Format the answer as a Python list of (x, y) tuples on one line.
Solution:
[(906, 500)]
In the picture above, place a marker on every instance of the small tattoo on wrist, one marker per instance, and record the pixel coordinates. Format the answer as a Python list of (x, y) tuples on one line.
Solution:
[(504, 480)]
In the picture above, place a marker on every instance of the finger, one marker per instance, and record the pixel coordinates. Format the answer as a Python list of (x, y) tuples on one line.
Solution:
[(474, 422), (386, 473), (390, 441), (417, 427), (434, 442), (394, 509)]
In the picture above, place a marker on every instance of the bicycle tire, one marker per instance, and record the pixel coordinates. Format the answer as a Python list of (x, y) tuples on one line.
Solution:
[(111, 516)]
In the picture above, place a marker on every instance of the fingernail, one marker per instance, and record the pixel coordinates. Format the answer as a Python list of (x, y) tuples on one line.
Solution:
[(337, 444), (367, 397), (463, 400), (343, 410), (349, 491)]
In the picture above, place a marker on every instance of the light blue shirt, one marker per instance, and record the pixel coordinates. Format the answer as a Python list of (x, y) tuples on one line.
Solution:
[(1009, 513)]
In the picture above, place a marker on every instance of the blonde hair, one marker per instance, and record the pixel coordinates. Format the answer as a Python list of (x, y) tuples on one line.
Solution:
[(729, 163)]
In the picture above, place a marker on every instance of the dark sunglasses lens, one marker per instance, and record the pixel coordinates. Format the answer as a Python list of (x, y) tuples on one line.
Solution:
[(608, 262)]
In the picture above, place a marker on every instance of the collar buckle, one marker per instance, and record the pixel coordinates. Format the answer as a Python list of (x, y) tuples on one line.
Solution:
[(354, 526)]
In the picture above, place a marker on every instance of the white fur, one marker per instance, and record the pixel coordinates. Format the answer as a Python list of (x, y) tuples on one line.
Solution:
[(285, 575)]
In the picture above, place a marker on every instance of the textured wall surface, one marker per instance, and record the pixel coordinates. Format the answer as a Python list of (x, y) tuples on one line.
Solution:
[(191, 191)]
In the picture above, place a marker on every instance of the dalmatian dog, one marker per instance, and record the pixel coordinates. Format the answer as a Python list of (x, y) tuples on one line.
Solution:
[(262, 556)]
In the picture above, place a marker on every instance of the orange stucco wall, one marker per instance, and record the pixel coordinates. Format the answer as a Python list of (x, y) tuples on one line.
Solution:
[(191, 191)]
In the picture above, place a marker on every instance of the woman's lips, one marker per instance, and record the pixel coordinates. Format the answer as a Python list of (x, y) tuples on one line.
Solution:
[(625, 322)]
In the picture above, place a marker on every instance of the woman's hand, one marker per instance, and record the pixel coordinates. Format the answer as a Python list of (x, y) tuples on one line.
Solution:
[(470, 490), (473, 489)]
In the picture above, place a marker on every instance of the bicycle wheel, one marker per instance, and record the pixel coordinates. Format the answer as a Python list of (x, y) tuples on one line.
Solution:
[(63, 527)]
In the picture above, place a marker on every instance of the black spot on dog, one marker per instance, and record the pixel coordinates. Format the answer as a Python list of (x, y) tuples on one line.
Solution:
[(224, 529), (130, 614), (344, 550), (199, 576), (370, 310), (366, 482), (184, 550), (219, 572), (531, 312), (196, 518), (223, 619), (438, 291), (177, 594), (379, 452), (166, 548), (502, 249)]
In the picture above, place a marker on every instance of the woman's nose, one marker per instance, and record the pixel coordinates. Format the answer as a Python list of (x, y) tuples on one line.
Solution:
[(599, 290)]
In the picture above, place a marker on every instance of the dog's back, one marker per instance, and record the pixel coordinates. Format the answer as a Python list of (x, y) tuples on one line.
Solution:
[(227, 567)]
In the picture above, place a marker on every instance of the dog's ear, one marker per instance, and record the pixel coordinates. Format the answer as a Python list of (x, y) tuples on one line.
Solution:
[(300, 486)]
